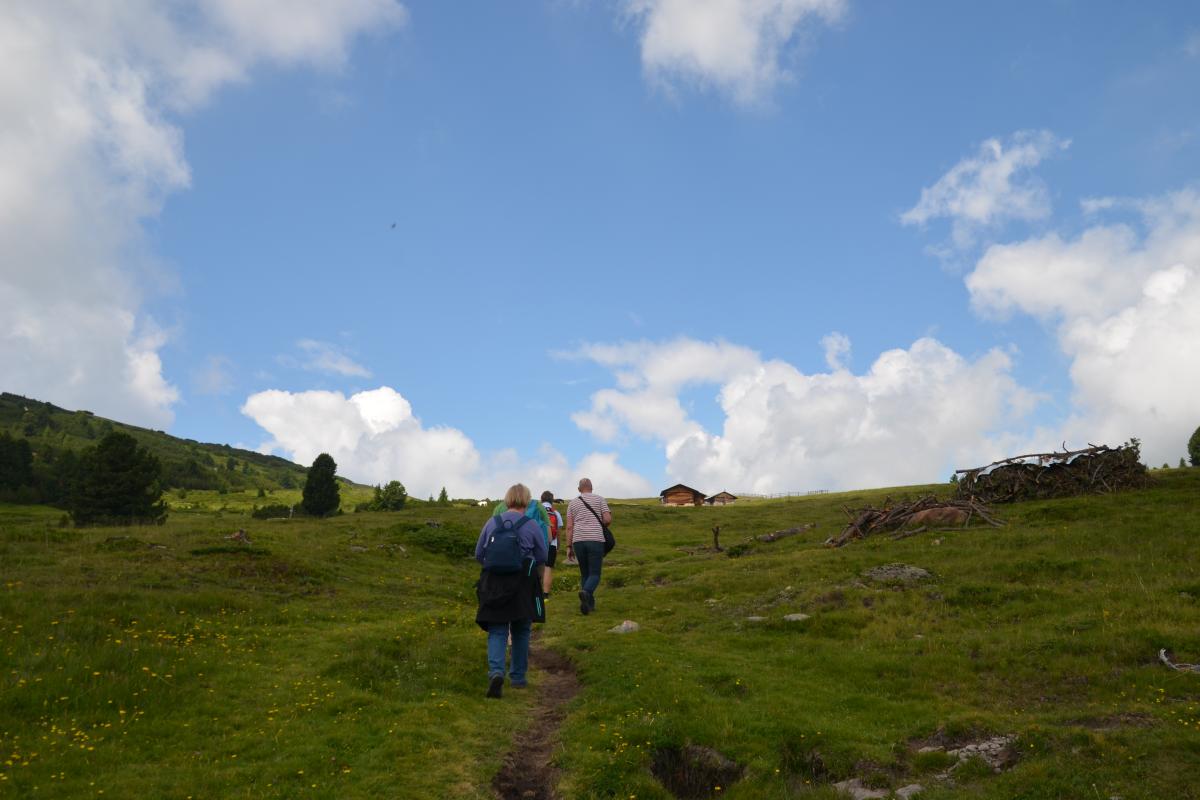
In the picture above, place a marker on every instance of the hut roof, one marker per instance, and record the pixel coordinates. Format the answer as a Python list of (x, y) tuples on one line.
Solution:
[(680, 486), (723, 494)]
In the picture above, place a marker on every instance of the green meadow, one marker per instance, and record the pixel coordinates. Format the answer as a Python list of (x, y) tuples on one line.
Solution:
[(339, 658)]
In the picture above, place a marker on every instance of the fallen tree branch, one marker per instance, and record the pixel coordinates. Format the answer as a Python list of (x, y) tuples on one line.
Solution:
[(923, 513), (1162, 656), (777, 535)]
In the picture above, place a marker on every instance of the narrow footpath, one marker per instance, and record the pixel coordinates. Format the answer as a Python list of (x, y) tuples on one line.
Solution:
[(528, 772)]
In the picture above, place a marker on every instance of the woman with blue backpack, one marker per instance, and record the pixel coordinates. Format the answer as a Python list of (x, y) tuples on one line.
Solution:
[(510, 549)]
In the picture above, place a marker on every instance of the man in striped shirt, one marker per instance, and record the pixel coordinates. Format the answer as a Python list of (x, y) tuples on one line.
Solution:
[(587, 515)]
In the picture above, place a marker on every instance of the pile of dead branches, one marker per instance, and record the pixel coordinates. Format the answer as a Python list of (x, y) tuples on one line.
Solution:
[(906, 518), (1097, 469)]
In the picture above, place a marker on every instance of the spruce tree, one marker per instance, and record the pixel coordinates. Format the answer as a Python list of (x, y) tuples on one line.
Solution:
[(1194, 448), (16, 462), (117, 482), (443, 498), (389, 498), (321, 493)]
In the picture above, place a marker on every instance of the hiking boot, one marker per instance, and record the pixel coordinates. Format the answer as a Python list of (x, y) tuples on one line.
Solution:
[(585, 607), (495, 686)]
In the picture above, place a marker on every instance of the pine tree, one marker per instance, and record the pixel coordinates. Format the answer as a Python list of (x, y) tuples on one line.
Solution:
[(321, 493), (16, 462), (443, 498), (117, 481), (1194, 448), (389, 498)]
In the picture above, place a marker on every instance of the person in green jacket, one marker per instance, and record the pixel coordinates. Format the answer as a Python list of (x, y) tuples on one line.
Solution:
[(535, 511)]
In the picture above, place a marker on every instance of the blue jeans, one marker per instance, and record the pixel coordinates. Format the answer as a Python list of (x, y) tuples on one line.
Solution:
[(590, 556), (498, 643)]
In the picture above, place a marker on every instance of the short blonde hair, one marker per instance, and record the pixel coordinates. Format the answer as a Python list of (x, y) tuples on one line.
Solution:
[(517, 496)]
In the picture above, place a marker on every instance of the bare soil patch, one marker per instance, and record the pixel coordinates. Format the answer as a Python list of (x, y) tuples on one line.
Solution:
[(528, 771), (693, 772)]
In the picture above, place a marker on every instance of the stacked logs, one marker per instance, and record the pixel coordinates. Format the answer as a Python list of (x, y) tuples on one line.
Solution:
[(1097, 469), (906, 518)]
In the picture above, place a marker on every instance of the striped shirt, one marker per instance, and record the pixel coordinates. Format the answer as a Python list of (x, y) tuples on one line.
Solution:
[(583, 523)]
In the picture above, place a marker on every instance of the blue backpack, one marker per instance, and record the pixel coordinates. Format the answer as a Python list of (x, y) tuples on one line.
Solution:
[(502, 550)]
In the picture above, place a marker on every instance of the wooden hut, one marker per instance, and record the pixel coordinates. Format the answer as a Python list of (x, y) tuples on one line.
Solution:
[(721, 499), (680, 495)]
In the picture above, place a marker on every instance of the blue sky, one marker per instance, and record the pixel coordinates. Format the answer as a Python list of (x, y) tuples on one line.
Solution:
[(624, 233)]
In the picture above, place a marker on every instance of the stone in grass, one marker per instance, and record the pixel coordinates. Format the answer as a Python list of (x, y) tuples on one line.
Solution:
[(856, 789), (897, 573), (912, 790), (796, 617), (997, 752), (628, 626), (756, 619)]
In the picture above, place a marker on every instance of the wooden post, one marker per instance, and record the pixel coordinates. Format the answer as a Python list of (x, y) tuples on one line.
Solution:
[(716, 529)]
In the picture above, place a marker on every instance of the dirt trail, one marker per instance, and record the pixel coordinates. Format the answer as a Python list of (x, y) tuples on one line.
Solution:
[(527, 772)]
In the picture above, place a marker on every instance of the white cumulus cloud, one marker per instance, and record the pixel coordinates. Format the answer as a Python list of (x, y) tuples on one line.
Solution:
[(991, 187), (735, 46), (912, 415), (375, 437), (89, 148), (1125, 300)]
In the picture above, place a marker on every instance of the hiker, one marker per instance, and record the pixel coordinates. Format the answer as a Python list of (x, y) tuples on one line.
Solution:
[(538, 513), (556, 525), (587, 515), (511, 546)]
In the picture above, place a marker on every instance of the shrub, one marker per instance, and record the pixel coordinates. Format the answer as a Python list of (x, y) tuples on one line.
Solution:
[(272, 511)]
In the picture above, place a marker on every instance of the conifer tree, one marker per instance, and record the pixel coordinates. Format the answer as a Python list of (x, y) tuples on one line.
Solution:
[(1194, 448), (389, 498), (16, 462), (321, 493), (443, 498), (117, 481)]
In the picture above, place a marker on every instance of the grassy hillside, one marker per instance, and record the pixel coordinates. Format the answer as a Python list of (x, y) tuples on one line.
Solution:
[(339, 658), (186, 463)]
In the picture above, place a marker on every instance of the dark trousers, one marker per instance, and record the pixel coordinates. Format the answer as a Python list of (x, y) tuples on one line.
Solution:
[(591, 558)]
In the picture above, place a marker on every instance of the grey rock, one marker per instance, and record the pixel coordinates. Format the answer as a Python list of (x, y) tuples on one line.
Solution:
[(996, 752), (796, 617), (628, 626), (897, 573), (756, 619), (931, 749), (912, 790), (357, 548), (854, 788)]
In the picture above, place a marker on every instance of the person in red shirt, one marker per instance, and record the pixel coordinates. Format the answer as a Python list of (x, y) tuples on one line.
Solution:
[(556, 525)]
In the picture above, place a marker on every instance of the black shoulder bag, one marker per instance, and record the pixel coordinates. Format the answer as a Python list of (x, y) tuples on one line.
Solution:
[(610, 541)]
